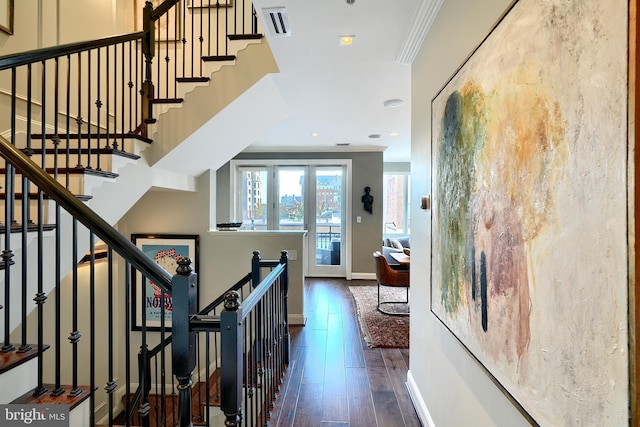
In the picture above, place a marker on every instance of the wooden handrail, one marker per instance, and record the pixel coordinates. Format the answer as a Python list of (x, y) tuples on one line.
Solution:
[(86, 215), (162, 9), (38, 55)]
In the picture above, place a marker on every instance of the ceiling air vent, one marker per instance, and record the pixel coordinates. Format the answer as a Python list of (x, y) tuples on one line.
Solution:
[(277, 21)]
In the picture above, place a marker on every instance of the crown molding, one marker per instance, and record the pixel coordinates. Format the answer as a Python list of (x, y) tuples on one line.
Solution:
[(425, 14)]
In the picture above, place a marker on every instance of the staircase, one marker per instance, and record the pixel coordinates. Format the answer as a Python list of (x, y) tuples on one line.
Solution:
[(86, 139)]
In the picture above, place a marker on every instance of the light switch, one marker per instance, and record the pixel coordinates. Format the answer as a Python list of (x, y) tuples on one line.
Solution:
[(358, 219)]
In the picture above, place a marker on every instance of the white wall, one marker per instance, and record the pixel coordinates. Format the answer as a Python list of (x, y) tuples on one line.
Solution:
[(452, 389), (448, 386)]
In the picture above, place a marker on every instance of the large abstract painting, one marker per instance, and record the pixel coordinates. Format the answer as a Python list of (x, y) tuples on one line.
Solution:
[(529, 226)]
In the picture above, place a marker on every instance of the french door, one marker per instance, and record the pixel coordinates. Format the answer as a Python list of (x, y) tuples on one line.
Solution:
[(298, 196)]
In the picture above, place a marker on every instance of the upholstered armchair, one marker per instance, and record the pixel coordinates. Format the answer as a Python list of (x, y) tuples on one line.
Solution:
[(387, 276)]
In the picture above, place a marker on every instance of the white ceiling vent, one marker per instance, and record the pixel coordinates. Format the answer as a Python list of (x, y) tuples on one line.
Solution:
[(277, 20)]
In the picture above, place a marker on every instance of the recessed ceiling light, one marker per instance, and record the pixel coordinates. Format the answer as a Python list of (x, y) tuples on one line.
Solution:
[(394, 134), (314, 134), (346, 40), (374, 135), (393, 103)]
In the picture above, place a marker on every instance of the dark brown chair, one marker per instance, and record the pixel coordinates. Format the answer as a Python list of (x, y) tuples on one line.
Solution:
[(387, 276)]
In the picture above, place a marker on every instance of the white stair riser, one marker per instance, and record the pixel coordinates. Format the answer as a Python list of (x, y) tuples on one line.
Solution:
[(84, 161), (22, 379)]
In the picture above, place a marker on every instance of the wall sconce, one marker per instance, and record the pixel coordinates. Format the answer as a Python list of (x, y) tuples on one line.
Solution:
[(425, 203)]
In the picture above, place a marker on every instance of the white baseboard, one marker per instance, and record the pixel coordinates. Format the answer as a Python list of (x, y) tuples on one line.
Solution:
[(418, 403), (363, 276), (296, 319)]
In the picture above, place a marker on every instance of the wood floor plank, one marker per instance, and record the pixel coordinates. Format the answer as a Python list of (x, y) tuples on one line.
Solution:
[(314, 366), (377, 371), (309, 408), (361, 409), (334, 379), (334, 404), (285, 408), (388, 412), (354, 356), (397, 370)]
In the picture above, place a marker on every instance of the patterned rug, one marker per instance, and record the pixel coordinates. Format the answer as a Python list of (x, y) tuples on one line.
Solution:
[(379, 329)]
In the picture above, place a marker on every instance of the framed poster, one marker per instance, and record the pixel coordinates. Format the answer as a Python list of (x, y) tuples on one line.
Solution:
[(6, 16), (147, 296), (525, 135)]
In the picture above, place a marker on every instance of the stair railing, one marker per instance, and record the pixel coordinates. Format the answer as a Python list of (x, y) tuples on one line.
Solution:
[(81, 101), (184, 35), (242, 336), (252, 348)]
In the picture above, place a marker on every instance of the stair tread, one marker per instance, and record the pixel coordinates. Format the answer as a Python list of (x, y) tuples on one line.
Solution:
[(63, 151), (214, 58), (63, 399), (30, 227), (72, 170), (11, 359), (251, 36), (166, 101), (18, 196), (192, 79)]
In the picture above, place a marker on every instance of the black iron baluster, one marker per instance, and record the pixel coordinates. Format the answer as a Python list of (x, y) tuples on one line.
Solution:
[(201, 38), (157, 55), (98, 104), (128, 410), (132, 111), (79, 119), (122, 96), (107, 71), (7, 253), (191, 42), (57, 389), (41, 296), (92, 327), (68, 125), (111, 385), (115, 97), (135, 112), (175, 43), (89, 124), (75, 335), (24, 347)]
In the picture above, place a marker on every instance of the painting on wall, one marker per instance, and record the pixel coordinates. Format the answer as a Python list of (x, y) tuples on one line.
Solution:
[(150, 303), (6, 16), (529, 209)]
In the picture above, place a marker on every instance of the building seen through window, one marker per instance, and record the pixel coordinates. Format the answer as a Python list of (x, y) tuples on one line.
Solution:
[(396, 204)]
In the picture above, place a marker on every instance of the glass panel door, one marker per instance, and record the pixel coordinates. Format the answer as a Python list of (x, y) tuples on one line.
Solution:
[(328, 223), (291, 198)]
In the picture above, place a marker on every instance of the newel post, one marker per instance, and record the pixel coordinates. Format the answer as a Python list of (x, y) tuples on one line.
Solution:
[(284, 259), (148, 50), (256, 277), (231, 360), (184, 294)]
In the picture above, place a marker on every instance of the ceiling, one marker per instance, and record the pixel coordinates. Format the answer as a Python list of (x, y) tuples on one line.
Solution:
[(339, 91)]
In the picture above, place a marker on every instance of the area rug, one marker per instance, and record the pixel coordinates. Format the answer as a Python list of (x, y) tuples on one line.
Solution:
[(379, 329)]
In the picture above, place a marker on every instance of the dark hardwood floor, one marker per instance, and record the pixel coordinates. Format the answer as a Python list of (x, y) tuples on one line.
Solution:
[(334, 379)]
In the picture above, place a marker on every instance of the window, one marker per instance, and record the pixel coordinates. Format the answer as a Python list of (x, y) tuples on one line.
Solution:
[(252, 199), (396, 216)]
